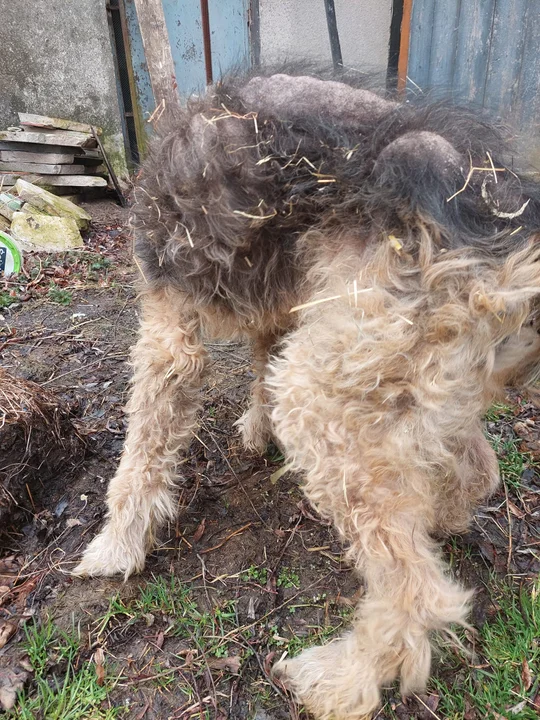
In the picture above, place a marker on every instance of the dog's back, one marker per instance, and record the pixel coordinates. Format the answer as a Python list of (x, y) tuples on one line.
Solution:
[(236, 179)]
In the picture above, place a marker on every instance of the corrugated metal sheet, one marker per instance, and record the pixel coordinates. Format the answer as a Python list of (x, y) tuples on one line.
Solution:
[(484, 51)]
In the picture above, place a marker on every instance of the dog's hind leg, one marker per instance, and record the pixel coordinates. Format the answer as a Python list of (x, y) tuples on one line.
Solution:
[(475, 478), (408, 597), (255, 426), (371, 463), (168, 360)]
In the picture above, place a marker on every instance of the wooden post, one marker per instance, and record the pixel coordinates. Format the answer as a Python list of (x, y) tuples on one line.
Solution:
[(404, 45), (207, 42), (158, 53)]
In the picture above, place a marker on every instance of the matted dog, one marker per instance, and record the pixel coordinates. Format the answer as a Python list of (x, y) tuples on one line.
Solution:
[(381, 257)]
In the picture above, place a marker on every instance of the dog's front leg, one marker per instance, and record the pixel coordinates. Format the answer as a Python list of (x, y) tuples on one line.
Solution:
[(168, 361)]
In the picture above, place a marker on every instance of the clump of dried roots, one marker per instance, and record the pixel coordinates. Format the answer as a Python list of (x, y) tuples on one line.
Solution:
[(37, 437)]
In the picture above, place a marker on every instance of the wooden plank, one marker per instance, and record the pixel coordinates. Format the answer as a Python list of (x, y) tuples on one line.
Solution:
[(95, 170), (504, 68), (34, 148), (43, 121), (158, 53), (9, 179), (62, 133), (51, 137), (420, 45), (44, 201), (472, 51), (528, 104), (42, 168), (71, 181), (443, 52), (36, 157)]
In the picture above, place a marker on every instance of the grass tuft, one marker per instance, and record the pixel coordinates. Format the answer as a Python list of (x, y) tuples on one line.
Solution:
[(498, 686), (65, 687)]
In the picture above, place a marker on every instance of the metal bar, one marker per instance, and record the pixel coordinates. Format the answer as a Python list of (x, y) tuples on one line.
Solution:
[(205, 19), (255, 32), (333, 33), (112, 174), (394, 44), (134, 111)]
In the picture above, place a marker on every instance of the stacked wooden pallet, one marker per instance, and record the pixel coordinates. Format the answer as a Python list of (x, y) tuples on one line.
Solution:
[(60, 155)]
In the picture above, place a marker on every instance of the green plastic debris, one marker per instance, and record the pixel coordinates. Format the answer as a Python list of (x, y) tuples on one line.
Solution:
[(10, 255)]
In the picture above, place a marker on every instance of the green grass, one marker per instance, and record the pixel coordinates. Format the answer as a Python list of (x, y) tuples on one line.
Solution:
[(512, 462), (499, 411), (168, 597), (496, 687), (6, 299), (288, 578), (255, 574), (65, 686), (58, 295)]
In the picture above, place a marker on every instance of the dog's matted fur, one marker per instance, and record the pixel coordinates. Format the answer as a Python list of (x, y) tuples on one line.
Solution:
[(384, 255)]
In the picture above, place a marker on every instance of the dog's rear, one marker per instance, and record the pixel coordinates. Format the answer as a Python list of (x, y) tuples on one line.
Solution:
[(383, 252)]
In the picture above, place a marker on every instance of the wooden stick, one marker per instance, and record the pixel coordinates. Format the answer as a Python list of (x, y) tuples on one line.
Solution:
[(157, 49)]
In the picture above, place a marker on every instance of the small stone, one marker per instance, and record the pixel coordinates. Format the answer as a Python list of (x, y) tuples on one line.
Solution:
[(44, 232)]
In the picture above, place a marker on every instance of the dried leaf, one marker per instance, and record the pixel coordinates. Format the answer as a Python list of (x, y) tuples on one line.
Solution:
[(7, 629), (517, 708), (11, 682), (73, 522), (160, 639), (199, 532), (149, 619), (396, 244), (526, 674), (99, 659), (230, 664), (515, 510)]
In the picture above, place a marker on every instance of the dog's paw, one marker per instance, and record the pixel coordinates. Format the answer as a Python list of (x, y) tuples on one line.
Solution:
[(107, 555), (254, 429), (330, 682)]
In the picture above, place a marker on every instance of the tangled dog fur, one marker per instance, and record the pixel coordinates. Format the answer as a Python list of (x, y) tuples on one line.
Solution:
[(381, 257)]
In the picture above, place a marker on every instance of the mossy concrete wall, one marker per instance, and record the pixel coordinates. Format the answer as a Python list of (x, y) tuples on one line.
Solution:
[(57, 60)]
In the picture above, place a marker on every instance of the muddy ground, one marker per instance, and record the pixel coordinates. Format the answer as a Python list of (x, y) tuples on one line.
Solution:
[(247, 547)]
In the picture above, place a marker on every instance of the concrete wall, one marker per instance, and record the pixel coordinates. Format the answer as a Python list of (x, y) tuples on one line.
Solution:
[(297, 29), (56, 59)]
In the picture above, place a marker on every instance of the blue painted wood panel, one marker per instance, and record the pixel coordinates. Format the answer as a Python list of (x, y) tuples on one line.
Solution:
[(183, 19), (229, 39), (484, 51), (143, 88), (230, 35)]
